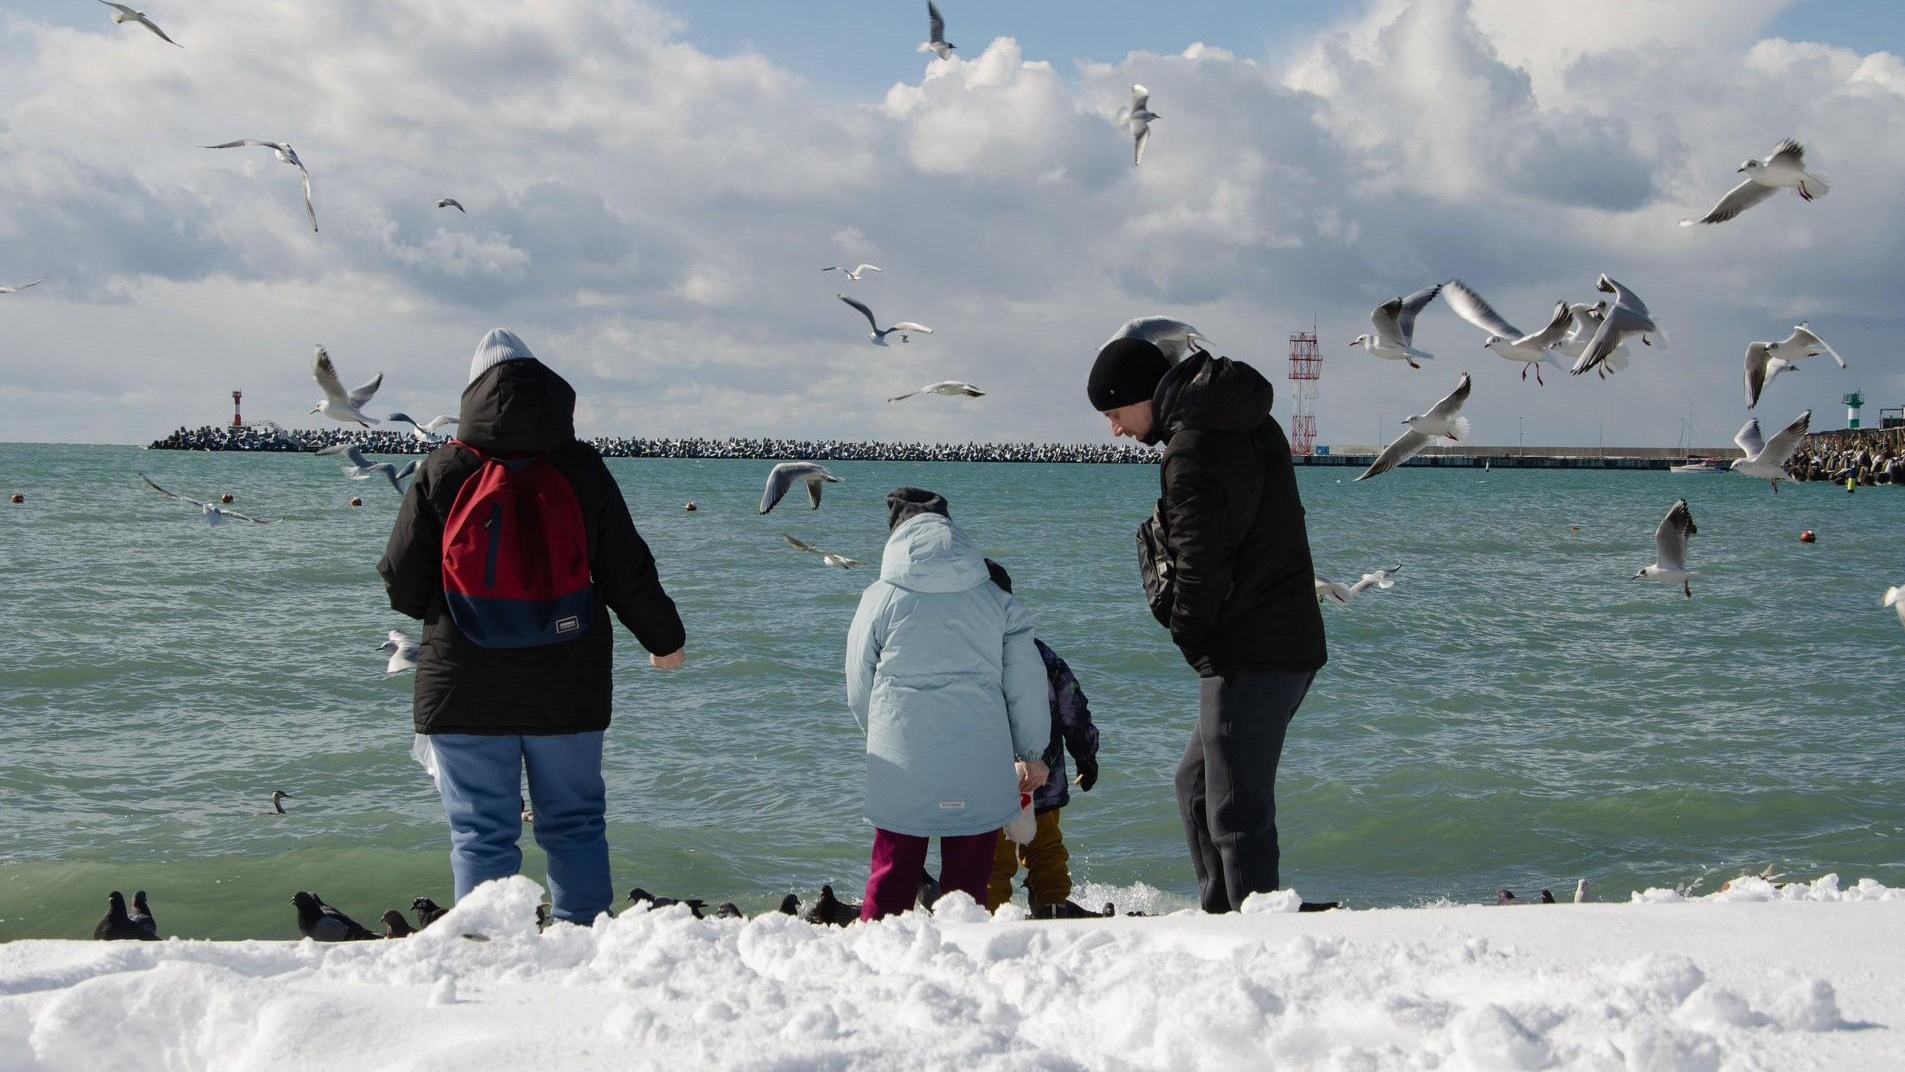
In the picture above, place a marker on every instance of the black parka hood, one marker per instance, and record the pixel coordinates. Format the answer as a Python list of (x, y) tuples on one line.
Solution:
[(1212, 393), (517, 407)]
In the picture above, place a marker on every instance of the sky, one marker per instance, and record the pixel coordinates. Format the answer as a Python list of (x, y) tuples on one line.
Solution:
[(653, 187)]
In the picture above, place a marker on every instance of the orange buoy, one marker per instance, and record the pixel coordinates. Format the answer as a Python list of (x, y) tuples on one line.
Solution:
[(1807, 537), (690, 506), (225, 498), (355, 501)]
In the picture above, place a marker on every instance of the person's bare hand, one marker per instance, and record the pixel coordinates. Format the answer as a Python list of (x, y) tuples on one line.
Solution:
[(668, 662), (1032, 774)]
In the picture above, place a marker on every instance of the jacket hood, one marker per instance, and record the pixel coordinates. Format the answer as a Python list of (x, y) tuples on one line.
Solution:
[(517, 407), (928, 553), (1212, 393)]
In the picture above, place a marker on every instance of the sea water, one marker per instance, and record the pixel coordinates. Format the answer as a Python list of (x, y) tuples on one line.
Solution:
[(1516, 712)]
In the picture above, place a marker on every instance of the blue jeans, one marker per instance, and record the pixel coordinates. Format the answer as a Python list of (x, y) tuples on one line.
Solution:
[(480, 778)]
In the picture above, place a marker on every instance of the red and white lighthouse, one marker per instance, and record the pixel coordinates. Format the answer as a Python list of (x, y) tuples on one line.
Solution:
[(238, 421)]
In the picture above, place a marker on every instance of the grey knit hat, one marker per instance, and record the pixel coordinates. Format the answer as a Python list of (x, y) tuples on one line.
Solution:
[(497, 347)]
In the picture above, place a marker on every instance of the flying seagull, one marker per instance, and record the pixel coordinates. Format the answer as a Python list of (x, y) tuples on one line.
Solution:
[(1137, 117), (451, 202), (786, 474), (1339, 592), (1670, 549), (1767, 461), (1441, 420), (943, 387), (1765, 360), (1506, 339), (214, 514), (338, 404), (123, 14), (905, 328), (1785, 167), (1395, 323), (1627, 315), (426, 429), (362, 468), (853, 273), (935, 42), (1177, 339), (827, 557), (1587, 321), (21, 286), (403, 653), (1895, 599), (286, 154)]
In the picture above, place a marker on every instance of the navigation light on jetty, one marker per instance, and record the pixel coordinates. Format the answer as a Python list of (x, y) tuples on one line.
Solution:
[(1853, 402), (237, 420), (1306, 368)]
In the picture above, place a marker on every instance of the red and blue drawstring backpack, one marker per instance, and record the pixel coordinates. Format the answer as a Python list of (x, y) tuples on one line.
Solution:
[(516, 555)]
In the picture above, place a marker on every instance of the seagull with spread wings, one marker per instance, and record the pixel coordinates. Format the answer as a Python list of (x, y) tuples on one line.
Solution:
[(427, 430), (904, 328), (1137, 117), (122, 14), (855, 272), (287, 154), (1784, 168), (1177, 339), (1505, 339), (451, 202), (214, 514), (1626, 315), (1340, 593), (21, 286), (1670, 549), (1587, 320), (785, 475), (340, 405), (1767, 461), (362, 468), (943, 387), (403, 653), (1395, 323), (827, 557), (936, 42), (1765, 360), (1441, 421)]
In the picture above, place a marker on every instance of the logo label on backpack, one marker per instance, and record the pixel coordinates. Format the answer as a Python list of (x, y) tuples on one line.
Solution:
[(516, 555)]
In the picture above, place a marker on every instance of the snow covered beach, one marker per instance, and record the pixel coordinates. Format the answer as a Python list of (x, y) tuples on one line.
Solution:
[(1755, 977)]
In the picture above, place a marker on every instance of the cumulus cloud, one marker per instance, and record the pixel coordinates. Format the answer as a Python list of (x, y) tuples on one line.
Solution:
[(653, 217)]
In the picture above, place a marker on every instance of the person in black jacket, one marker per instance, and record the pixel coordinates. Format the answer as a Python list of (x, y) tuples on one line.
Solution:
[(489, 712), (1231, 578)]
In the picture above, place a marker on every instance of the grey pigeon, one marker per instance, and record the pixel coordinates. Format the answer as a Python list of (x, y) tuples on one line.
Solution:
[(395, 926), (141, 916), (322, 923), (427, 911), (642, 896), (789, 906), (728, 910), (832, 910)]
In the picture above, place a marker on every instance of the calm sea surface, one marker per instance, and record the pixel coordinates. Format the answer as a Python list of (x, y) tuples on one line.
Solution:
[(1516, 712)]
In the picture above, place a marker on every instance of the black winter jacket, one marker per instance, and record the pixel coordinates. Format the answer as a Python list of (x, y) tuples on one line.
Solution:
[(517, 409), (1245, 586)]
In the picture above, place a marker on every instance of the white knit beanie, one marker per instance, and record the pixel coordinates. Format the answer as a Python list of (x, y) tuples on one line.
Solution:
[(497, 347)]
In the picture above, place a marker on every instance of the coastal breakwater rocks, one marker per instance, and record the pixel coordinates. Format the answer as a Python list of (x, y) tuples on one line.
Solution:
[(1867, 456), (271, 438)]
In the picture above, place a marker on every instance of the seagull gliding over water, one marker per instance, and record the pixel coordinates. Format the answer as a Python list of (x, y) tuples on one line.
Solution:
[(1670, 549), (785, 475), (1395, 324), (403, 653), (1341, 593), (427, 429), (1767, 461), (943, 387), (362, 468), (1506, 339), (1441, 420), (1784, 167), (214, 514), (905, 328), (827, 557), (340, 405)]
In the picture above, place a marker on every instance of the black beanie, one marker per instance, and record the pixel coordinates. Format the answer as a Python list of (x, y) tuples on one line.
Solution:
[(903, 503), (999, 576), (1127, 371)]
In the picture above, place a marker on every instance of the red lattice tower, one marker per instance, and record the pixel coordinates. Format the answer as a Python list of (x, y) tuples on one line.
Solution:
[(1306, 368)]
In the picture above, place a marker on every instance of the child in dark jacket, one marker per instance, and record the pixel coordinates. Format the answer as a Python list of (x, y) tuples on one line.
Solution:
[(1047, 876)]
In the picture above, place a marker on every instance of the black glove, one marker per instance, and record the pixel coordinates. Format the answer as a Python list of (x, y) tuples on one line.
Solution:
[(1087, 774)]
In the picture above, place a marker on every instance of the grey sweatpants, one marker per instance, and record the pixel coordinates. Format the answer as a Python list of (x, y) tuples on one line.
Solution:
[(1226, 783)]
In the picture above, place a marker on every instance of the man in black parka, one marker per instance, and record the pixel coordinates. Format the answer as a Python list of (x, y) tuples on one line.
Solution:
[(1241, 602), (491, 712)]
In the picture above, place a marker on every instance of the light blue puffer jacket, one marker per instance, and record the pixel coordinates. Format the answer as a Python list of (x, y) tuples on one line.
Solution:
[(943, 676)]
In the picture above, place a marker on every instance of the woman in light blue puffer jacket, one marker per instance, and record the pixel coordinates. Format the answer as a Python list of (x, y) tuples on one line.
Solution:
[(944, 678)]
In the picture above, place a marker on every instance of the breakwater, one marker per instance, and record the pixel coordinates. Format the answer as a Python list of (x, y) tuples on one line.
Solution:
[(1868, 456)]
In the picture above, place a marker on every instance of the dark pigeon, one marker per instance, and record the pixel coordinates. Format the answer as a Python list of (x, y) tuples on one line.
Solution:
[(790, 906), (427, 911), (830, 909), (141, 916), (930, 890), (117, 927), (395, 926), (322, 923), (1318, 906), (1547, 897), (642, 896), (1505, 896)]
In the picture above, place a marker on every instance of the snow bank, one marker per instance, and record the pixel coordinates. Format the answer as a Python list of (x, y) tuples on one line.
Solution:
[(1758, 977)]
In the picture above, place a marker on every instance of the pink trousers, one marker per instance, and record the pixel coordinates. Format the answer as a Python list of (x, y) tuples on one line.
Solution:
[(965, 863)]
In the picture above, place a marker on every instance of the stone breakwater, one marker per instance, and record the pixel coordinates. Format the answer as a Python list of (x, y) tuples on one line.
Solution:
[(1866, 455), (270, 438)]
